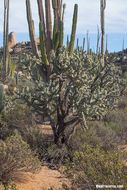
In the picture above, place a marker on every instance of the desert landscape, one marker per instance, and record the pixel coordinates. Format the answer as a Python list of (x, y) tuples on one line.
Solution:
[(63, 101)]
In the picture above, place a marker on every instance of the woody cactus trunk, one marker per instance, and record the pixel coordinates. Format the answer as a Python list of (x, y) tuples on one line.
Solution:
[(102, 19)]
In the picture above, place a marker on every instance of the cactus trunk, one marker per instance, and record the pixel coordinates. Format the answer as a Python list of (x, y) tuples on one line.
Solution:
[(73, 32), (42, 46), (5, 39), (41, 16), (102, 15), (31, 29), (48, 25)]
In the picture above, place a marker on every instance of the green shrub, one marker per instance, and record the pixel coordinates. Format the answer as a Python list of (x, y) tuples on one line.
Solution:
[(93, 166), (17, 117), (15, 155)]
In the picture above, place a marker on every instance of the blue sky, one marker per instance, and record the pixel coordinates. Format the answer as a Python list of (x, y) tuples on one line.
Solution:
[(88, 19), (116, 15)]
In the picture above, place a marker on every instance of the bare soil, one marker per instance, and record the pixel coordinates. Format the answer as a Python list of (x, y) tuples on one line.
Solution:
[(45, 179)]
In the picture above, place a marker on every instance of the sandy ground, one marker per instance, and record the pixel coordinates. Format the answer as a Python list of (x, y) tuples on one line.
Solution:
[(43, 180)]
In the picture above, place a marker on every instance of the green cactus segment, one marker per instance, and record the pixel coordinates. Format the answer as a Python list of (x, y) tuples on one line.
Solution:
[(1, 97), (61, 38), (41, 15), (61, 34), (31, 28), (55, 39), (48, 25), (42, 46), (73, 32)]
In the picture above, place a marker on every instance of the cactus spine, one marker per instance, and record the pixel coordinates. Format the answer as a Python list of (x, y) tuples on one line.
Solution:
[(102, 19), (31, 29), (73, 32)]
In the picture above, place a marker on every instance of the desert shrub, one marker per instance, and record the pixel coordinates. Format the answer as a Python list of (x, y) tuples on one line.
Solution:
[(117, 121), (16, 117), (93, 166), (97, 134), (36, 140), (15, 155), (57, 155)]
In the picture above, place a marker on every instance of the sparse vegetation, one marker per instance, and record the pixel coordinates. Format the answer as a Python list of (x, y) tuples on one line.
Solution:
[(78, 96), (15, 155)]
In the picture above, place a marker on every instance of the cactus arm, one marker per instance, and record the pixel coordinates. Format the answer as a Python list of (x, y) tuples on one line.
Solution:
[(48, 25), (31, 28), (41, 16), (42, 46), (73, 32), (61, 37)]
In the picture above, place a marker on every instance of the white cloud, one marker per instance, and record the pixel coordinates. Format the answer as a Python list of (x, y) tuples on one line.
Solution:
[(88, 19)]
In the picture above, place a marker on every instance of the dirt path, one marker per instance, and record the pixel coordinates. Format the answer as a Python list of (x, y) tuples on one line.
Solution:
[(45, 179)]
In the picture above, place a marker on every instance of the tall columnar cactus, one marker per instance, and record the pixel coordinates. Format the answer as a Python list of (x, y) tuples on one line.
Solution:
[(51, 37), (102, 19), (48, 25), (42, 46), (31, 29), (61, 35), (41, 16), (5, 39), (73, 32), (1, 97)]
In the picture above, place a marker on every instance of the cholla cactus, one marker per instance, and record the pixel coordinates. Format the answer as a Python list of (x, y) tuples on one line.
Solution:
[(77, 90)]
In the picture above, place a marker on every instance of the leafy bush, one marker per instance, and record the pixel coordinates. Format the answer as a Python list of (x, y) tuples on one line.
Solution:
[(93, 166), (15, 155)]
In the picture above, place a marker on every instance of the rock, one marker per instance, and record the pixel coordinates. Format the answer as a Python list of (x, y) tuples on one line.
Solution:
[(11, 40), (10, 50), (17, 50)]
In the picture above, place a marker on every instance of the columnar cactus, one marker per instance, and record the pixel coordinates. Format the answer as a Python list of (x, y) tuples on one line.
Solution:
[(73, 32), (1, 97), (5, 39), (48, 25), (42, 46), (41, 16), (51, 37), (31, 29), (102, 16)]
